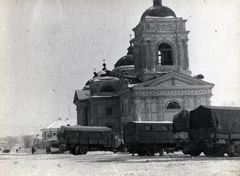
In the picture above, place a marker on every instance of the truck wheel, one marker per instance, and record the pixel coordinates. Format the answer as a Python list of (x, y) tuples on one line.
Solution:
[(124, 149), (83, 150), (195, 152), (207, 152), (231, 154), (218, 151), (151, 150), (231, 151)]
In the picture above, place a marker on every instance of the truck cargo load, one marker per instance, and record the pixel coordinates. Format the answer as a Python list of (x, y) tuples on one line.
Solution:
[(223, 120), (181, 121), (215, 131), (181, 129)]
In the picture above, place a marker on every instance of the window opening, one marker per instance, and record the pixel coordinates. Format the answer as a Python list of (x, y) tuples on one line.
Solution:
[(109, 111), (148, 127), (165, 54), (48, 135), (173, 105)]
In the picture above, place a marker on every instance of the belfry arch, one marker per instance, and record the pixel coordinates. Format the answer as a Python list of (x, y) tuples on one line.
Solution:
[(164, 54)]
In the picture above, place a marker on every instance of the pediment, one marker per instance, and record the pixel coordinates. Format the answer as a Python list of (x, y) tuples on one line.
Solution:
[(175, 79), (81, 95)]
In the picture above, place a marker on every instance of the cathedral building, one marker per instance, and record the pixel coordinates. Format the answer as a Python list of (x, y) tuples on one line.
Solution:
[(151, 83)]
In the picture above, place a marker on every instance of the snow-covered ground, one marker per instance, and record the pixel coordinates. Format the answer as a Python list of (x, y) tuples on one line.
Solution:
[(118, 164)]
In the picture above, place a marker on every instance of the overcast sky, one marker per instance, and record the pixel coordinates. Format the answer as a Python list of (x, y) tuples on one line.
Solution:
[(49, 48)]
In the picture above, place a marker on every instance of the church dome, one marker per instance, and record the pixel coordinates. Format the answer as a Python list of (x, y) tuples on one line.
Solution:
[(158, 11), (125, 60)]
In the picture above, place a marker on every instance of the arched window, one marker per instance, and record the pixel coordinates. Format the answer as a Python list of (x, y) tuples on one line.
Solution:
[(107, 89), (173, 105), (165, 54)]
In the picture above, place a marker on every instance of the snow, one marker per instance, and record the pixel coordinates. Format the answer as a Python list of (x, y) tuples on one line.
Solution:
[(59, 123), (119, 164), (105, 78), (159, 17), (131, 85), (152, 122)]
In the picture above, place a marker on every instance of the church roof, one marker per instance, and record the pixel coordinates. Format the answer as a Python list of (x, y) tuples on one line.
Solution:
[(81, 95), (58, 123), (158, 10)]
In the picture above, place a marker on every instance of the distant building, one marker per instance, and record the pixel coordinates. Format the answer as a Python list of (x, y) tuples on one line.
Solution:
[(51, 130), (151, 83), (37, 141)]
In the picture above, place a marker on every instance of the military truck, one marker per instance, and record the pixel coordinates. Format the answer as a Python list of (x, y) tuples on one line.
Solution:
[(81, 139), (149, 137), (215, 131)]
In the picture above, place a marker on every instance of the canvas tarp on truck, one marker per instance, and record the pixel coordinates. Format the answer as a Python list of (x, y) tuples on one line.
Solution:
[(181, 121), (85, 128), (224, 120)]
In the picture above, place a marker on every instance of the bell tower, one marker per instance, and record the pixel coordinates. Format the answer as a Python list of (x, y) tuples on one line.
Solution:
[(160, 44)]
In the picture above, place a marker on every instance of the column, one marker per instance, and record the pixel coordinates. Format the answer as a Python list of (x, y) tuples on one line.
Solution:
[(185, 102), (185, 57), (160, 106), (144, 55), (136, 112), (179, 53), (148, 109), (151, 56), (208, 101)]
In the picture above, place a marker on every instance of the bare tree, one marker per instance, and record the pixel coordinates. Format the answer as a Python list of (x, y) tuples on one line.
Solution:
[(11, 141), (28, 140)]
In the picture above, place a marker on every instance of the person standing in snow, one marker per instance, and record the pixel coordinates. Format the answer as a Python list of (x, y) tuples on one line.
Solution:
[(33, 150)]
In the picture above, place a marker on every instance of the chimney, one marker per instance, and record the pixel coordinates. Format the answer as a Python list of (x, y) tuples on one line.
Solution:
[(157, 2)]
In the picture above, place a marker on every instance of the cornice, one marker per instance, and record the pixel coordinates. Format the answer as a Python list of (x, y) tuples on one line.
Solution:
[(173, 92), (191, 81)]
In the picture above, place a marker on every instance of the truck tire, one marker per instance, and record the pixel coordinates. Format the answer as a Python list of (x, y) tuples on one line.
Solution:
[(195, 152), (151, 150), (231, 151), (231, 154), (83, 149), (217, 151), (207, 152)]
